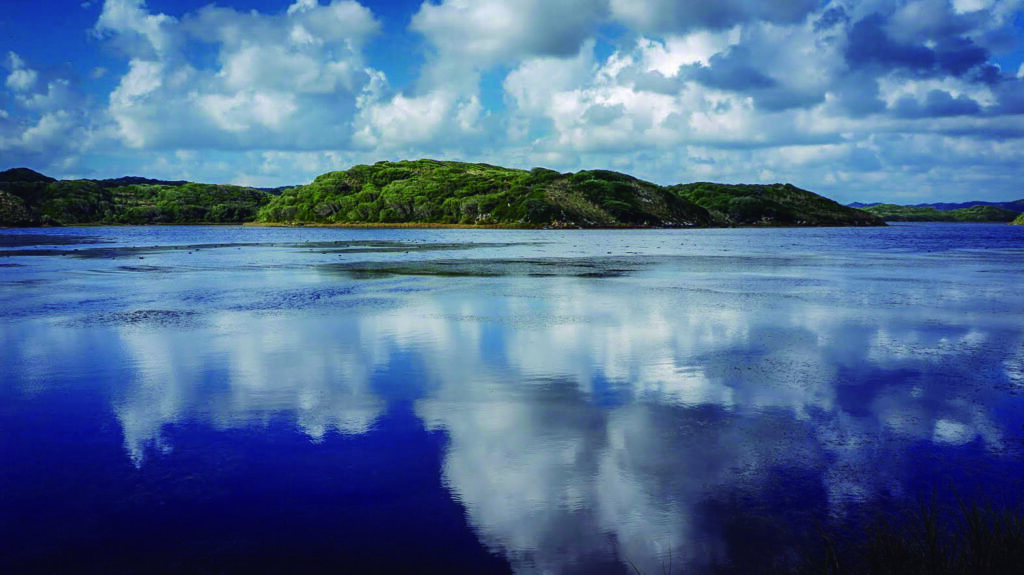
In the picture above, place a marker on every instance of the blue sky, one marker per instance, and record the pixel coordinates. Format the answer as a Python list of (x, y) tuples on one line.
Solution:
[(892, 100)]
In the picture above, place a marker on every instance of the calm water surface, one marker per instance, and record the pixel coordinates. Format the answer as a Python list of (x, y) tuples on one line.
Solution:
[(192, 399)]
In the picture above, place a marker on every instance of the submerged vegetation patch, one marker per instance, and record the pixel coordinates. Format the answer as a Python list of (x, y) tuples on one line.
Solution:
[(551, 267), (323, 247), (140, 318), (31, 240), (965, 537)]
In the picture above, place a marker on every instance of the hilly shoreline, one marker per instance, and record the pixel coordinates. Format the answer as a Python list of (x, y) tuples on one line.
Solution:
[(980, 213), (421, 193)]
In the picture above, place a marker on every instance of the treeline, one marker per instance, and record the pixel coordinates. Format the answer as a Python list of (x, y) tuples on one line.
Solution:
[(775, 204), (428, 191), (28, 198), (976, 214), (422, 192), (434, 192)]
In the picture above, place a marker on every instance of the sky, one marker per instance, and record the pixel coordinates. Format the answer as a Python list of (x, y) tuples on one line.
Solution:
[(874, 100)]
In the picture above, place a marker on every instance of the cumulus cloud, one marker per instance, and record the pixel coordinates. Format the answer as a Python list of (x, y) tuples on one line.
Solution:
[(667, 90), (268, 67), (135, 28), (435, 118), (840, 75), (490, 31), (45, 124), (20, 78)]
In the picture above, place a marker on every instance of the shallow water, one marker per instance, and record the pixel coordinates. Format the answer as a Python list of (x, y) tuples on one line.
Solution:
[(193, 399)]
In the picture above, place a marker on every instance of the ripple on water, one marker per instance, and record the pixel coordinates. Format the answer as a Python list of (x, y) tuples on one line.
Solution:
[(149, 318)]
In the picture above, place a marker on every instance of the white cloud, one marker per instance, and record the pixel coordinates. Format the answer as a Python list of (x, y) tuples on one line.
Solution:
[(403, 121), (616, 105), (302, 6), (668, 91), (21, 78), (58, 95), (128, 106), (490, 31), (962, 6), (694, 48), (269, 67), (130, 20), (893, 89), (469, 37), (239, 112), (46, 132), (45, 125)]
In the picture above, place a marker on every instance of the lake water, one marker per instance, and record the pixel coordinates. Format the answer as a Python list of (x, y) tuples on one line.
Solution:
[(224, 399)]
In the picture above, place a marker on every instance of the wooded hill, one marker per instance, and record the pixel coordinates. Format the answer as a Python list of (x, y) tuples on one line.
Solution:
[(28, 198), (422, 192), (435, 192), (976, 213)]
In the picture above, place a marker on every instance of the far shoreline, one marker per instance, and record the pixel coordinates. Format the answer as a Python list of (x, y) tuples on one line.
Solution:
[(422, 225)]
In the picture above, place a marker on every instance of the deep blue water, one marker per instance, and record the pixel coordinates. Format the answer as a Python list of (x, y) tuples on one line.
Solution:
[(247, 400)]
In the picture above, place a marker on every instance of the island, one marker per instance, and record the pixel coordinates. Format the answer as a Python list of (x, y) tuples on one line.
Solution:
[(422, 192)]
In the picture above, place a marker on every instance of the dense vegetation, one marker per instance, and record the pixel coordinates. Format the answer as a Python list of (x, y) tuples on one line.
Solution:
[(776, 204), (978, 213), (1014, 206), (428, 191), (968, 537), (421, 192), (1019, 220), (29, 198)]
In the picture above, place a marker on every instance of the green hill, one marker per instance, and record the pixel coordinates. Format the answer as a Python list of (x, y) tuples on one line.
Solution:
[(23, 175), (434, 192), (1019, 221), (28, 198), (775, 204), (421, 192), (895, 213)]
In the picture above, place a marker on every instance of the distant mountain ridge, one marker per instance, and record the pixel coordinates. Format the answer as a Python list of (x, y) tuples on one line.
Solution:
[(422, 192), (981, 212), (136, 181), (1013, 206)]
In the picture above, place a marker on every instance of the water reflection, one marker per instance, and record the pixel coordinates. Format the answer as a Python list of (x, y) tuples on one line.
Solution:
[(242, 376), (596, 422), (615, 427)]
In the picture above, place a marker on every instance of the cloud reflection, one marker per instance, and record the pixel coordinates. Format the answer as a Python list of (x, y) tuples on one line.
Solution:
[(238, 376), (590, 421)]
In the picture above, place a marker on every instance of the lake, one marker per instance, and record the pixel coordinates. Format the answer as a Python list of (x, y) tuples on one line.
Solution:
[(242, 400)]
